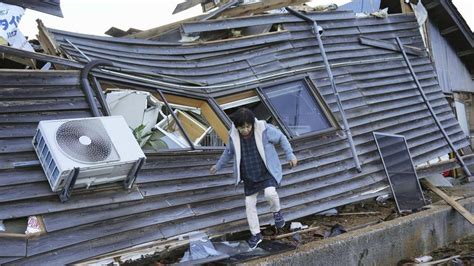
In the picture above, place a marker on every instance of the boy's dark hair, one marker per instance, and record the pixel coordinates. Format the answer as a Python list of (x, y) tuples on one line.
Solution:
[(242, 116)]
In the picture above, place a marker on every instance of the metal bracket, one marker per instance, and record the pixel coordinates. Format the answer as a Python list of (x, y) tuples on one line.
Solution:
[(66, 192), (132, 176)]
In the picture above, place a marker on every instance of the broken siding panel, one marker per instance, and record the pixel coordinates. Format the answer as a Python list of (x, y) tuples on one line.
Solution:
[(45, 205), (94, 248), (80, 234), (180, 50), (55, 221), (232, 23)]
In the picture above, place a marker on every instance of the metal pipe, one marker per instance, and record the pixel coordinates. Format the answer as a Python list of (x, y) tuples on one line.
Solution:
[(433, 114), (176, 119), (86, 85), (333, 84), (101, 97)]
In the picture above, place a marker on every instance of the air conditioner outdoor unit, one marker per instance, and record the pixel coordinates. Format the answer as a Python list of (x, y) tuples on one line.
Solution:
[(82, 152)]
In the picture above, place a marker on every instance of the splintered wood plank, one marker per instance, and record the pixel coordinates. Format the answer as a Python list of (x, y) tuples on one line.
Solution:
[(458, 207)]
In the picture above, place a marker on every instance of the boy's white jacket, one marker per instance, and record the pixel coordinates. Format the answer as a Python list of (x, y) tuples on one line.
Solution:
[(266, 137)]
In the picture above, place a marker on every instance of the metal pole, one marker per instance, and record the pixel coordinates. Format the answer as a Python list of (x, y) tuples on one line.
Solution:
[(433, 114), (347, 130), (86, 85), (176, 119), (101, 97)]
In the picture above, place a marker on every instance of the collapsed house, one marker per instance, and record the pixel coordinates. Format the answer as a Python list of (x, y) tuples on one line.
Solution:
[(270, 63)]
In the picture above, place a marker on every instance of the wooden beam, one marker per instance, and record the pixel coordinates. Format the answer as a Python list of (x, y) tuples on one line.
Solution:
[(293, 233), (214, 121), (449, 30), (458, 207), (183, 100), (406, 8), (193, 128), (236, 97)]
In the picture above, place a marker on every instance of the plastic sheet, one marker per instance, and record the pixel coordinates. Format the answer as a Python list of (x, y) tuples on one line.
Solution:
[(200, 247)]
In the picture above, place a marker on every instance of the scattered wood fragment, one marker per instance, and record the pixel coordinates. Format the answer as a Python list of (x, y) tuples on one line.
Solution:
[(437, 262), (357, 213), (458, 207), (293, 233), (363, 225)]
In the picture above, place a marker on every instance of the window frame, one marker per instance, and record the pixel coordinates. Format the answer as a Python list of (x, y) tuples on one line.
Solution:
[(313, 91), (259, 91), (171, 98)]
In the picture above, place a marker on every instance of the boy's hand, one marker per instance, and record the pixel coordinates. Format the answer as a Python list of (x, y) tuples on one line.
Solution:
[(213, 170), (293, 163)]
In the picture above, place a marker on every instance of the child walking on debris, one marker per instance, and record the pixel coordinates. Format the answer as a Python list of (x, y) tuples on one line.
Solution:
[(252, 146)]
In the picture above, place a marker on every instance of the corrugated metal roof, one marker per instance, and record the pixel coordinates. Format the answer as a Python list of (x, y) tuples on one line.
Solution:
[(174, 193)]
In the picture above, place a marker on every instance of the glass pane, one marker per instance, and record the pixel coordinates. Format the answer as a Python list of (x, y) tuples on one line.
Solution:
[(401, 173), (297, 108)]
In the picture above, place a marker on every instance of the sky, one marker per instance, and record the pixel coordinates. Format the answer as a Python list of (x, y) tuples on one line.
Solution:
[(97, 16)]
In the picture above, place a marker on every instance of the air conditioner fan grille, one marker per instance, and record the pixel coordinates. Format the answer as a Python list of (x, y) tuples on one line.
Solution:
[(85, 141)]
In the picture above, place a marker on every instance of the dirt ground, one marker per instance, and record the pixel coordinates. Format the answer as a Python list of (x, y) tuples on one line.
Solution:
[(349, 217), (464, 248)]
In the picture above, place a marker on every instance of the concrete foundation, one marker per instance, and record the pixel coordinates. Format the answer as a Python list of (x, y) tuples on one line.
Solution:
[(383, 244)]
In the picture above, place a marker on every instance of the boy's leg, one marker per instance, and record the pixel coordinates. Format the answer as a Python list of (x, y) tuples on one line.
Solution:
[(252, 215), (272, 197)]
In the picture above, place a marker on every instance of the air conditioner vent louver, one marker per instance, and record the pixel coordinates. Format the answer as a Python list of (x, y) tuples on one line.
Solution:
[(86, 141)]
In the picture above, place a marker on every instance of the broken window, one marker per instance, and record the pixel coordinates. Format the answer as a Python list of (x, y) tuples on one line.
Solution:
[(297, 107), (175, 122), (197, 125), (250, 100)]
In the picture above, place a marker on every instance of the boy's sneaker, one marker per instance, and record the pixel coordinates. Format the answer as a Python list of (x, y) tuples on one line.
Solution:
[(255, 240), (279, 220)]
